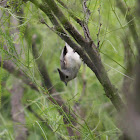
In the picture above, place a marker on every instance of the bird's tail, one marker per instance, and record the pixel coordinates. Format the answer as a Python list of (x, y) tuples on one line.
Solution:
[(68, 47)]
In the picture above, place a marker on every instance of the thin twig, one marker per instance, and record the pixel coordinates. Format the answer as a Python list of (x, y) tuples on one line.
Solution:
[(85, 22), (86, 11), (43, 22), (98, 34)]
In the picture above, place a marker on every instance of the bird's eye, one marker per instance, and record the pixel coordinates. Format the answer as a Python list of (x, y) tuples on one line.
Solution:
[(67, 76)]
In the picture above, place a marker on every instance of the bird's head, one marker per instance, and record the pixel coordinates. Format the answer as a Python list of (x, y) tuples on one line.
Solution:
[(65, 76)]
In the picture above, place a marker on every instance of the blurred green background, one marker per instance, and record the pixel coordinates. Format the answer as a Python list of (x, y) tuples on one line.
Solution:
[(96, 116)]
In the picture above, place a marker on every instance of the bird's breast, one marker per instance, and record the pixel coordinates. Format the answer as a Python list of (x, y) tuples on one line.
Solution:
[(73, 61)]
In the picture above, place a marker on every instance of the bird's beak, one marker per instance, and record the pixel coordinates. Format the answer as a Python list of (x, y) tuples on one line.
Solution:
[(66, 83)]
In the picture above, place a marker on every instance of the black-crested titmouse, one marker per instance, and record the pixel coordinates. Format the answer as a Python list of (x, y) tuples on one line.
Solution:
[(70, 64)]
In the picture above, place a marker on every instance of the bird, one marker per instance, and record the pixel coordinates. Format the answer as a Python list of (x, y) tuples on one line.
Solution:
[(70, 62)]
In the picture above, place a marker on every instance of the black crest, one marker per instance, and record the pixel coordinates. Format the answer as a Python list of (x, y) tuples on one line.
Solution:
[(65, 51)]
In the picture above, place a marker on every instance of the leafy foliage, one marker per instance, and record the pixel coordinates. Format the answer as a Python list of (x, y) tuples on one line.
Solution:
[(96, 117)]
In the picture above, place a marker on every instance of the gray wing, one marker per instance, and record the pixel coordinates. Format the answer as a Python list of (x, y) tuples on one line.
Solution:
[(62, 58)]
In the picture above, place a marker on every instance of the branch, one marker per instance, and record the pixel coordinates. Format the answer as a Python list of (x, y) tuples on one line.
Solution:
[(66, 24), (86, 11), (98, 41), (88, 46), (85, 22), (99, 69), (63, 35), (8, 65), (94, 62)]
